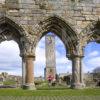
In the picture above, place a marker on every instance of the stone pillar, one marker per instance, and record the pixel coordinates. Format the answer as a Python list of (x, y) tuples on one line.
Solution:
[(23, 71), (27, 73), (77, 74), (81, 71)]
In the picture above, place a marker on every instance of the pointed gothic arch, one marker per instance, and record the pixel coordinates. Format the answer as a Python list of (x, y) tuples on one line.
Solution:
[(69, 37), (91, 33), (58, 26), (9, 27), (10, 30)]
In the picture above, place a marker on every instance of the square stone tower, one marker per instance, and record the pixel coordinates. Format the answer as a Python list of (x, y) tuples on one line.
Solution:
[(50, 69)]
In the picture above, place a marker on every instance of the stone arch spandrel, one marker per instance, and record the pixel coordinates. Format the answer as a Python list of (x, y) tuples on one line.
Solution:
[(12, 4), (55, 24), (90, 33), (10, 30), (14, 24)]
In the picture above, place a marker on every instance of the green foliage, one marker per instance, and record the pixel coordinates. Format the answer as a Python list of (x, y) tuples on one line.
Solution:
[(0, 82), (9, 82), (40, 83)]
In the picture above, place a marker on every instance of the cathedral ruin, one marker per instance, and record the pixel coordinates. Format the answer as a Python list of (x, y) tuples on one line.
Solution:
[(75, 22)]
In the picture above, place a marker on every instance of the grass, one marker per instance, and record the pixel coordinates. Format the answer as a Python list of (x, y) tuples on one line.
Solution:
[(51, 92), (9, 82)]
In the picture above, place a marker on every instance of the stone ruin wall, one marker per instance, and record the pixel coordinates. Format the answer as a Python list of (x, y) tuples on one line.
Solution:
[(29, 13)]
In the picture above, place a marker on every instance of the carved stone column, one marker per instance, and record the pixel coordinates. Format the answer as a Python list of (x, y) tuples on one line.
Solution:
[(77, 74), (27, 73), (23, 71)]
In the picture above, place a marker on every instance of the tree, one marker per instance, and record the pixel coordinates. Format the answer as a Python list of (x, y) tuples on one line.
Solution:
[(96, 70), (96, 74)]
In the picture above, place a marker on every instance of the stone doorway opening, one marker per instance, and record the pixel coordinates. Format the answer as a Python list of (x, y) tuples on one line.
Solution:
[(63, 65), (69, 38)]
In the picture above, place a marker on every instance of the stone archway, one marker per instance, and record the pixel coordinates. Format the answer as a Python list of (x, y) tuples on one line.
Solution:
[(9, 30), (89, 34), (60, 27), (70, 39)]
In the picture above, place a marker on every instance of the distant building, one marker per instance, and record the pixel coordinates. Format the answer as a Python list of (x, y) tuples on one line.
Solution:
[(6, 77), (1, 80), (91, 79), (88, 76), (65, 78), (64, 74)]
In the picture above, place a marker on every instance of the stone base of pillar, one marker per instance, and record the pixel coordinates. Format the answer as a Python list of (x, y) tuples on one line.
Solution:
[(78, 86), (29, 87)]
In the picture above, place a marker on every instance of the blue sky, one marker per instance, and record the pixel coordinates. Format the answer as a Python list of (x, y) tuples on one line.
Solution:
[(10, 61), (92, 56)]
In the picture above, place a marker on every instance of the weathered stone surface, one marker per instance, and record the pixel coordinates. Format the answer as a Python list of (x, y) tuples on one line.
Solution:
[(76, 22), (50, 57)]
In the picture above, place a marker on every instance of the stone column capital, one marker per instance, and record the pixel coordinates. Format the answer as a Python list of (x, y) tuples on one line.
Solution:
[(26, 56), (72, 56)]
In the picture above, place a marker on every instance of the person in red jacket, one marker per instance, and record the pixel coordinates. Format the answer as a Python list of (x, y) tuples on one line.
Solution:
[(50, 79)]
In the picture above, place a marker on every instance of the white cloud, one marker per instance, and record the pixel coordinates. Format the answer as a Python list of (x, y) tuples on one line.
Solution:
[(41, 44), (12, 72), (40, 62), (61, 59), (94, 61), (40, 58), (94, 53), (64, 68), (91, 63), (60, 45), (10, 61), (62, 63), (40, 55), (85, 68), (40, 52)]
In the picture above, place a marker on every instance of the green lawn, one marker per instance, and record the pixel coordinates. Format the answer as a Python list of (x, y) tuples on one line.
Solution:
[(51, 92)]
